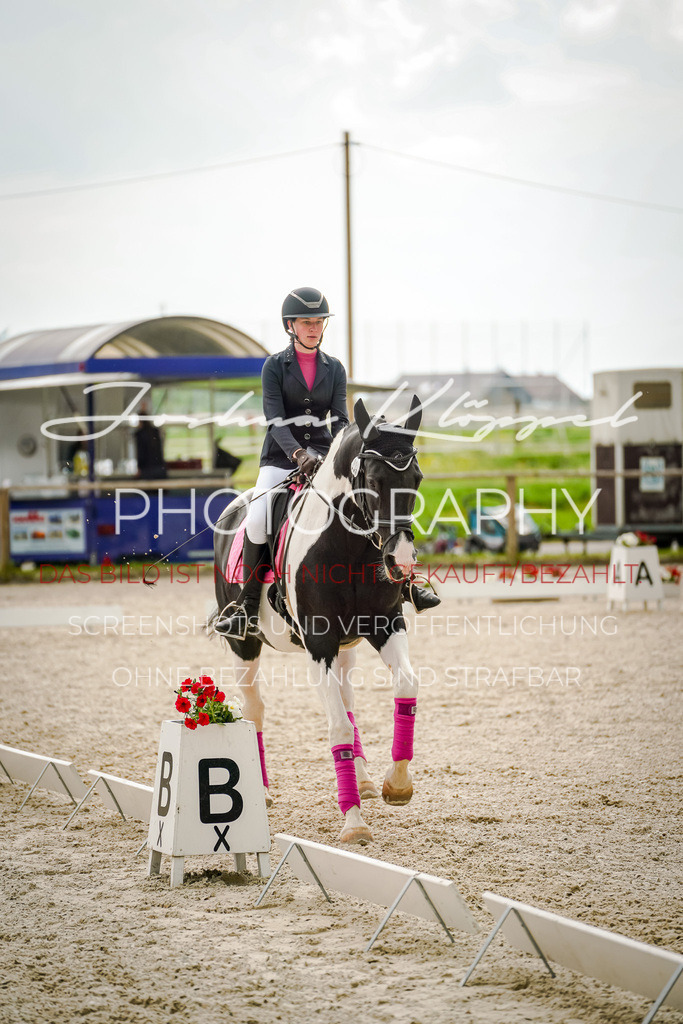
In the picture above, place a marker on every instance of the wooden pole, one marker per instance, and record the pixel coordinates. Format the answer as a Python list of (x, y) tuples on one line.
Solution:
[(5, 561), (349, 282), (512, 545)]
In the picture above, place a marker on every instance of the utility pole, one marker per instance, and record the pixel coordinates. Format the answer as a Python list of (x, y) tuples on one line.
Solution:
[(588, 383), (349, 285)]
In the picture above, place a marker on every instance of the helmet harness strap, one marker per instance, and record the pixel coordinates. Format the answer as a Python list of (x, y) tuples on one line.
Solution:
[(293, 336)]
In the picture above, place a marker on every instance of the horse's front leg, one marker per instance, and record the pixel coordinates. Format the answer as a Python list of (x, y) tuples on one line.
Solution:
[(253, 708), (398, 783), (341, 736), (366, 787)]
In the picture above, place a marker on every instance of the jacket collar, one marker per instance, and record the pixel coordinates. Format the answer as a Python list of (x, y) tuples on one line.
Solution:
[(321, 369)]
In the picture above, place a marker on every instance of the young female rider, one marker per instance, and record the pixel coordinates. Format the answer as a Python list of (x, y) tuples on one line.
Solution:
[(298, 382)]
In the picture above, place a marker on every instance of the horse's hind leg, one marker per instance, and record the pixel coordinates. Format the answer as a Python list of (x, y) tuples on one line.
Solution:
[(366, 787), (355, 830), (253, 708), (398, 783)]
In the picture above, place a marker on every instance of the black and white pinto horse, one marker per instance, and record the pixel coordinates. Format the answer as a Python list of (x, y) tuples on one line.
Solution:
[(349, 549)]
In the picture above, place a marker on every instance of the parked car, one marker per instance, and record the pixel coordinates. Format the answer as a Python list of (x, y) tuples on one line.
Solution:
[(492, 533)]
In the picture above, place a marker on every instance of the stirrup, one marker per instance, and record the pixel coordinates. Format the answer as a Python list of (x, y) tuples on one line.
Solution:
[(235, 625), (412, 586)]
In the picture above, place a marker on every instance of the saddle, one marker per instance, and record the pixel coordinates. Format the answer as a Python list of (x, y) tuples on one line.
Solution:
[(277, 541), (281, 507)]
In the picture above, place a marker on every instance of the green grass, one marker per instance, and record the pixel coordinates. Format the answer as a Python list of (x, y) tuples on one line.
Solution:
[(502, 456), (462, 495)]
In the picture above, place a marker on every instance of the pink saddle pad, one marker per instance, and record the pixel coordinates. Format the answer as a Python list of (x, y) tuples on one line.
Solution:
[(233, 572)]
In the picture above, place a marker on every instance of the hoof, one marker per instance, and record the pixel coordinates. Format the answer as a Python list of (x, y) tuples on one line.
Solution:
[(396, 797), (368, 790), (269, 799), (359, 834)]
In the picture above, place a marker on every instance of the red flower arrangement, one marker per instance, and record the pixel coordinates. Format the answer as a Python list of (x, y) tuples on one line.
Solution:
[(203, 704)]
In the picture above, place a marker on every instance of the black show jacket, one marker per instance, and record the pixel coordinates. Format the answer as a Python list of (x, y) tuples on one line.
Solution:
[(286, 396)]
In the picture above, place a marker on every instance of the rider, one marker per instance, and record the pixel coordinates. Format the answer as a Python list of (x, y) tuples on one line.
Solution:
[(300, 381)]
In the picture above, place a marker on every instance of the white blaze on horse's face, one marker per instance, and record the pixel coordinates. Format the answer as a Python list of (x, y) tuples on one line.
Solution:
[(400, 553)]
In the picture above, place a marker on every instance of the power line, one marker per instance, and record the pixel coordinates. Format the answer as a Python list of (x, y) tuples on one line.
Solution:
[(582, 193), (160, 175), (461, 168)]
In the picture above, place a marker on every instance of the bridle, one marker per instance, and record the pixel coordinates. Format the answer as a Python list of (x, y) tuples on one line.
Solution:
[(402, 524), (400, 461)]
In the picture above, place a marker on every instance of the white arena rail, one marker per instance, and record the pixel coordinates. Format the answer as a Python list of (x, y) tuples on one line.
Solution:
[(606, 956), (425, 896)]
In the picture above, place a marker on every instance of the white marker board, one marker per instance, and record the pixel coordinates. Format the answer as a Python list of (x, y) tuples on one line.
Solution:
[(634, 575), (208, 791)]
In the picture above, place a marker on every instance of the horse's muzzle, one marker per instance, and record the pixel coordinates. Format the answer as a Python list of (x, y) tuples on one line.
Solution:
[(399, 557)]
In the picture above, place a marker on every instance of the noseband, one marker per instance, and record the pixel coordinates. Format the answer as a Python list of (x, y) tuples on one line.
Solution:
[(400, 524)]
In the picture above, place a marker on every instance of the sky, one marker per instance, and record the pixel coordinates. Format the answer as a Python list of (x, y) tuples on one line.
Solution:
[(452, 269)]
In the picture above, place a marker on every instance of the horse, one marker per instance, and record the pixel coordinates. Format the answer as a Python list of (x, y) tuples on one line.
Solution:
[(348, 552)]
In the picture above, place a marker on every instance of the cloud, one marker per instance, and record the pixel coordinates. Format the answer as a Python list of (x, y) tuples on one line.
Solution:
[(564, 82), (588, 19)]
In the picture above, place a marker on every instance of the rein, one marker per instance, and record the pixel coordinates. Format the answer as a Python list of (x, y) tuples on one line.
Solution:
[(151, 583)]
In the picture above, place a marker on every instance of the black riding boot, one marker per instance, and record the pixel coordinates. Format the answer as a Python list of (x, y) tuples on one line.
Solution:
[(244, 618), (420, 598)]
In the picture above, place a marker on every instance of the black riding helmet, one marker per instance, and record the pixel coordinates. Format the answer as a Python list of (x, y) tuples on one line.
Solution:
[(308, 302)]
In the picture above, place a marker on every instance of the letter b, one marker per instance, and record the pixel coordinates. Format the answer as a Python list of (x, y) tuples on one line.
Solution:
[(207, 790), (164, 801)]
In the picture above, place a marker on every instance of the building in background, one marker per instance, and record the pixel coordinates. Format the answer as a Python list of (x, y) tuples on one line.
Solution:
[(505, 394), (650, 444), (98, 380)]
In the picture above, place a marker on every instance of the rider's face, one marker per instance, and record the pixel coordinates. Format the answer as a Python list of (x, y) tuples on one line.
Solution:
[(308, 330)]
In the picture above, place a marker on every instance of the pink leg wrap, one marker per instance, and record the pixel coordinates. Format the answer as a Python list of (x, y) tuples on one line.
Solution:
[(262, 755), (404, 726), (347, 786), (357, 745)]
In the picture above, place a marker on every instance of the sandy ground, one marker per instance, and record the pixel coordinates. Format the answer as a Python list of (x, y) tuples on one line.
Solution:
[(564, 796)]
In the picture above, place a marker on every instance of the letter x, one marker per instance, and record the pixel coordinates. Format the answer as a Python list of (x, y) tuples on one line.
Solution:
[(221, 838), (161, 829)]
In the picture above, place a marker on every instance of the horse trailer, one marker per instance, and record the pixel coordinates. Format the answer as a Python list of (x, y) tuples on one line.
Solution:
[(650, 444)]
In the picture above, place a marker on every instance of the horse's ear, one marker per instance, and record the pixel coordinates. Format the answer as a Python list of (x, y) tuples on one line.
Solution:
[(414, 416), (368, 431)]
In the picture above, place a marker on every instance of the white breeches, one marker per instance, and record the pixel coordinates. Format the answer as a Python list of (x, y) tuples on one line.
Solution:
[(259, 508)]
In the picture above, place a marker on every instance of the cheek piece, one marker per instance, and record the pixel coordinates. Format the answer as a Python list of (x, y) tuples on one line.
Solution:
[(404, 727), (262, 756), (347, 786), (357, 745)]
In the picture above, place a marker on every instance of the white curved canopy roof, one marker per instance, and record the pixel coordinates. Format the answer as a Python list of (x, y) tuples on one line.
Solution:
[(146, 339)]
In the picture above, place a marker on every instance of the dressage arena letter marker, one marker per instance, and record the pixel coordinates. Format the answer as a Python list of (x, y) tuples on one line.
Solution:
[(208, 781), (222, 841), (164, 788), (206, 790), (634, 576)]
